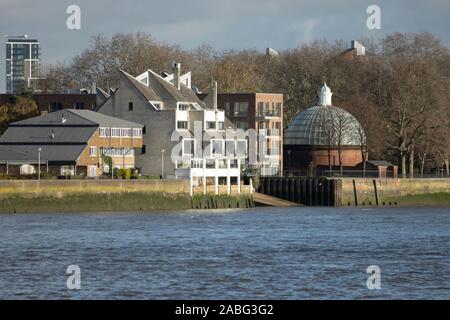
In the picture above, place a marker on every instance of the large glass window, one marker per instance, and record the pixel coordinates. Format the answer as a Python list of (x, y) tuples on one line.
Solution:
[(241, 109), (217, 147)]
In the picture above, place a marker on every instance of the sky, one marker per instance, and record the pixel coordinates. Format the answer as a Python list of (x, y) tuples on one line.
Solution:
[(223, 24)]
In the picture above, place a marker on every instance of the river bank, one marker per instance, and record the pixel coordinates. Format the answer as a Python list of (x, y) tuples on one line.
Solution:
[(110, 196)]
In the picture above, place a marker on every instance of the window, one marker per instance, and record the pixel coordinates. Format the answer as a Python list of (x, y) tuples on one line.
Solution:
[(267, 108), (210, 125), (278, 109), (241, 109), (217, 147), (93, 151), (183, 107), (143, 149), (144, 129), (188, 147), (221, 125), (227, 108), (260, 109), (241, 147), (230, 147), (79, 105), (182, 125), (125, 132), (242, 125), (115, 132), (137, 132), (130, 106), (103, 132)]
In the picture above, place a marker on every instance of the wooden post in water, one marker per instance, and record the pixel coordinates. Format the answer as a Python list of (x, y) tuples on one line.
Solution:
[(376, 191), (354, 192)]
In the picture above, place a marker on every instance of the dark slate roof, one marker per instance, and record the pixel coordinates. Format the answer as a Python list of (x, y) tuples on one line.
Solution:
[(28, 153), (104, 120), (72, 118), (38, 134)]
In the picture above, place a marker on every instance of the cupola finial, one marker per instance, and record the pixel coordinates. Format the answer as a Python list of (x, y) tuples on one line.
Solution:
[(325, 95)]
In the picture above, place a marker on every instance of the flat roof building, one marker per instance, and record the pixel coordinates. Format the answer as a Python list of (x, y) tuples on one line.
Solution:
[(22, 63)]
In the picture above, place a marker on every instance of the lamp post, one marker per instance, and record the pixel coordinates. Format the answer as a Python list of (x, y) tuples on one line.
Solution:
[(39, 163), (162, 163)]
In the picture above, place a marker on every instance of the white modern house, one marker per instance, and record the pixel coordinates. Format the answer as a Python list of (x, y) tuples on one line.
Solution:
[(183, 137)]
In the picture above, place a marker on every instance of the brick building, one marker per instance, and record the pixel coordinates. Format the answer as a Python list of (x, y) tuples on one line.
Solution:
[(262, 112), (69, 142)]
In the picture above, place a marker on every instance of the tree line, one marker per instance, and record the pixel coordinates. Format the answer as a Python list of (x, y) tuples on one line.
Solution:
[(397, 91)]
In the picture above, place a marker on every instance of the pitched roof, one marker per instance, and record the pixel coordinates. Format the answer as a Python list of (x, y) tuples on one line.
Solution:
[(148, 92), (72, 118), (159, 89), (103, 119), (29, 153), (47, 135)]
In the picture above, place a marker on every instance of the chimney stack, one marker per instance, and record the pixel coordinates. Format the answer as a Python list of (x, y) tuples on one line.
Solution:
[(214, 93), (176, 70)]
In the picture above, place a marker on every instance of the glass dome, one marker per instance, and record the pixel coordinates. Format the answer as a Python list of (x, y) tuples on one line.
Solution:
[(322, 124)]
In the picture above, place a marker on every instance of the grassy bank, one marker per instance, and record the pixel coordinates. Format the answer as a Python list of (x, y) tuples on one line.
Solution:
[(426, 199)]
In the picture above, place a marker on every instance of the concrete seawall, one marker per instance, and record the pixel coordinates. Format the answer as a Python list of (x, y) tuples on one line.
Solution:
[(389, 191), (111, 195)]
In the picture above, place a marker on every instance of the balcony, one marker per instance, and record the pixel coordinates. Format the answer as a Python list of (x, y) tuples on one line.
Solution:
[(270, 132)]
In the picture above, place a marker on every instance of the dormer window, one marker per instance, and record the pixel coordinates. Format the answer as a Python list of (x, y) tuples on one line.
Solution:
[(183, 107)]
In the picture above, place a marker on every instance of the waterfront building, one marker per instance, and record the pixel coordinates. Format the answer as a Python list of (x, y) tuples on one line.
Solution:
[(22, 63), (262, 112), (322, 136), (170, 113), (69, 142)]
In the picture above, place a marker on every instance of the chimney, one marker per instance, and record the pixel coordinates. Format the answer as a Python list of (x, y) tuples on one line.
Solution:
[(214, 94), (176, 69), (360, 49)]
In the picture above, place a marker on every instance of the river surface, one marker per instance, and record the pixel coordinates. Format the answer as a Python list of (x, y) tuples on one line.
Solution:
[(262, 253)]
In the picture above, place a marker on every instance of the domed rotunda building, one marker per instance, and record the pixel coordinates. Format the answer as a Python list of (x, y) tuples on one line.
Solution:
[(319, 131)]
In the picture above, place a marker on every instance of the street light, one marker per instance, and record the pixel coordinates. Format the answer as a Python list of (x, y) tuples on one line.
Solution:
[(39, 163), (162, 163)]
